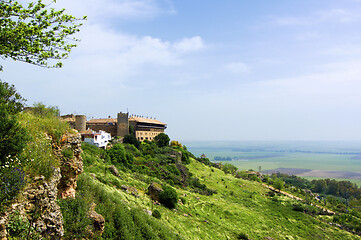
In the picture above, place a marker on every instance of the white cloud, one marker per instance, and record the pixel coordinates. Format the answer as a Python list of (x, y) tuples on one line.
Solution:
[(237, 68), (189, 44), (97, 40)]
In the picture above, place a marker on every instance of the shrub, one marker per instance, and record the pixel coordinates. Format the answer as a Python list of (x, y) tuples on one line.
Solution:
[(156, 214), (118, 156), (168, 197), (229, 168), (13, 137), (75, 215), (162, 140), (278, 184), (176, 144), (173, 169), (132, 149), (41, 110), (12, 179), (185, 157), (131, 139), (20, 228)]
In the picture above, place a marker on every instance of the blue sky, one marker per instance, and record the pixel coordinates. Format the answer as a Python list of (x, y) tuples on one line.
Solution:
[(212, 70)]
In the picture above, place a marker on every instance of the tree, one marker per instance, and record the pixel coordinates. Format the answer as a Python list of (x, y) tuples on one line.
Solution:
[(36, 34), (10, 100), (229, 168), (162, 140), (13, 137), (131, 139), (278, 184)]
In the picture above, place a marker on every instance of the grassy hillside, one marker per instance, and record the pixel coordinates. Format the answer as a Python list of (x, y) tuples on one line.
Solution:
[(211, 205), (239, 209)]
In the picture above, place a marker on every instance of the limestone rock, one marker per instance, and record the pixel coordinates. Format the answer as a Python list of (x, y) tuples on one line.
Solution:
[(131, 190), (114, 170), (177, 155), (154, 190), (97, 219), (70, 168)]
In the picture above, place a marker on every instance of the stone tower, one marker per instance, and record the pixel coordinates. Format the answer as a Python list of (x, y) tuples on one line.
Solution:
[(80, 122), (123, 124)]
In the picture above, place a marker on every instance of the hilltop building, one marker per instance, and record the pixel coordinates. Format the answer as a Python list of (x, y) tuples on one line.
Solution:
[(144, 128)]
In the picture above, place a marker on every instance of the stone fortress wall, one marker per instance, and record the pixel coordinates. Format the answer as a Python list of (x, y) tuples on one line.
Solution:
[(145, 128)]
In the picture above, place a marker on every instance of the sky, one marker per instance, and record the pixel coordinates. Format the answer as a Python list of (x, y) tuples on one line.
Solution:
[(211, 70)]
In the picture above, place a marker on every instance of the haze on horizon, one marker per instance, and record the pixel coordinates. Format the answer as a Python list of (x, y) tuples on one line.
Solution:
[(211, 70)]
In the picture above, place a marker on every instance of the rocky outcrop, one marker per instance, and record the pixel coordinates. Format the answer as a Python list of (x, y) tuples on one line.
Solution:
[(38, 208), (98, 221), (183, 171), (154, 190), (177, 156), (132, 190), (114, 170), (71, 166)]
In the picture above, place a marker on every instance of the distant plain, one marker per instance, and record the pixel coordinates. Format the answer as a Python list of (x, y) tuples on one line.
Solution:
[(339, 160)]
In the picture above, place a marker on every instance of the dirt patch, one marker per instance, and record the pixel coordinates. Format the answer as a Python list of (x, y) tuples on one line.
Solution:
[(316, 173)]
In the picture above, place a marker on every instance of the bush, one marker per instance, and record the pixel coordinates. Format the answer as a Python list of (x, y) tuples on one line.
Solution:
[(118, 156), (185, 157), (41, 110), (278, 184), (20, 228), (12, 179), (168, 197), (13, 137), (75, 215), (176, 144), (229, 168), (131, 139), (162, 140), (156, 214)]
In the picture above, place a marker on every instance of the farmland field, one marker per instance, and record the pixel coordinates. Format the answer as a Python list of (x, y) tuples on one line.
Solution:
[(340, 160)]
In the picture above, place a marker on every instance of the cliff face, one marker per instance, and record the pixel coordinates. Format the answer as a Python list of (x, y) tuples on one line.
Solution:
[(70, 167), (36, 207)]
